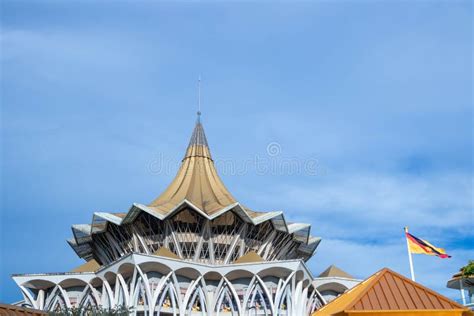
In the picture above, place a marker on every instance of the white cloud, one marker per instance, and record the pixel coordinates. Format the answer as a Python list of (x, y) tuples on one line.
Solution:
[(347, 204)]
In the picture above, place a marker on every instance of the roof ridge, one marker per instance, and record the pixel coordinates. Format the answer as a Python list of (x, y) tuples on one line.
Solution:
[(360, 286), (377, 275)]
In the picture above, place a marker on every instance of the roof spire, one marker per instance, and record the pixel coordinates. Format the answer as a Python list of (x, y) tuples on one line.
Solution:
[(198, 138), (198, 144), (199, 98)]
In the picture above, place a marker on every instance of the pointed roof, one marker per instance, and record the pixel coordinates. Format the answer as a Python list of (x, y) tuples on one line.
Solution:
[(198, 138), (197, 180), (333, 271), (387, 290), (251, 256), (89, 266), (165, 252), (196, 186)]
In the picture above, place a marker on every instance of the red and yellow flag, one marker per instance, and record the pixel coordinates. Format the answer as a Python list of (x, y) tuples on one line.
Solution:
[(417, 245)]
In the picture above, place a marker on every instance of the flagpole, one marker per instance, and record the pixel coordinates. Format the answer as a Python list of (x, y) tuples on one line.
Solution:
[(410, 258)]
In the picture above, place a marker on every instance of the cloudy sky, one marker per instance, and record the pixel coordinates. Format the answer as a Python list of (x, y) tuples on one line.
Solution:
[(354, 116)]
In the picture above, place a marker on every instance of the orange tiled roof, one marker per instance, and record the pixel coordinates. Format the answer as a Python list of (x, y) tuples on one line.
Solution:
[(387, 290), (12, 310)]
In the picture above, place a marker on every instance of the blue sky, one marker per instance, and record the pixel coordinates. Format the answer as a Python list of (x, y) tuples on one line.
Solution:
[(377, 93)]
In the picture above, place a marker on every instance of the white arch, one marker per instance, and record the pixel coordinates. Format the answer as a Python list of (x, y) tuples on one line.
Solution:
[(157, 292), (281, 290), (284, 293), (257, 280), (89, 291), (316, 300), (146, 284), (108, 291), (28, 297), (171, 291), (296, 297), (126, 292), (57, 293), (195, 291), (221, 288)]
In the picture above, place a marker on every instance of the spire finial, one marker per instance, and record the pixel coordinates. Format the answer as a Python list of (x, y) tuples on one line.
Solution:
[(199, 97)]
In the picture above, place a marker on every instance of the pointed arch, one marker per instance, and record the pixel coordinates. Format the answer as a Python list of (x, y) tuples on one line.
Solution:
[(141, 294), (283, 299), (168, 299), (107, 293), (29, 297), (283, 290), (158, 290), (315, 301), (195, 299), (57, 299), (125, 293), (226, 299), (298, 297), (258, 297), (88, 297)]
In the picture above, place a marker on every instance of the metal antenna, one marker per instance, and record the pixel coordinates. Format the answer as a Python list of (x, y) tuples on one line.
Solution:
[(199, 97)]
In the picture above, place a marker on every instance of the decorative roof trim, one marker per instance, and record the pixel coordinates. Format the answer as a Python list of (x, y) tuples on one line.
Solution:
[(277, 218)]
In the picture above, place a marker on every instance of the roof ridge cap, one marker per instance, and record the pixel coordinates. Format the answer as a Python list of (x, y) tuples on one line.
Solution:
[(376, 277)]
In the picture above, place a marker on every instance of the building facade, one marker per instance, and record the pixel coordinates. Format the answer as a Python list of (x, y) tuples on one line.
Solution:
[(194, 250), (465, 285)]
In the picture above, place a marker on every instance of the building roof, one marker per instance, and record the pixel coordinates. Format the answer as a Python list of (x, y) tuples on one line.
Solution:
[(89, 266), (457, 279), (387, 290), (165, 252), (196, 186), (251, 256), (12, 310), (333, 271), (197, 180)]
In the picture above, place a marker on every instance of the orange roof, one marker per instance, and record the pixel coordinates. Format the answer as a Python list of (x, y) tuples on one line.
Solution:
[(385, 291), (12, 310)]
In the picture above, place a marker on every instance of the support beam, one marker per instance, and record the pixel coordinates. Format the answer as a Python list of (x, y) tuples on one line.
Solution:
[(234, 241), (175, 240)]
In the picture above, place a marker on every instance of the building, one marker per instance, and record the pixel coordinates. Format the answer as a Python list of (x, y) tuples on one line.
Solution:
[(333, 282), (387, 293), (465, 285), (194, 250)]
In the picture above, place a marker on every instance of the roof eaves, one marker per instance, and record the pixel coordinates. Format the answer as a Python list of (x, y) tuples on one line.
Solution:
[(109, 217), (277, 218), (81, 233)]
